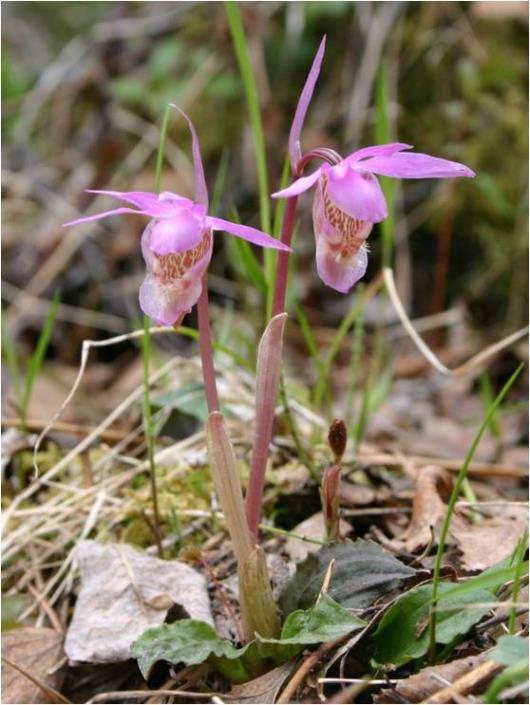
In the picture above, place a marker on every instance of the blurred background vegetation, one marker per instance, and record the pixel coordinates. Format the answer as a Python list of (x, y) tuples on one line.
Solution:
[(85, 85)]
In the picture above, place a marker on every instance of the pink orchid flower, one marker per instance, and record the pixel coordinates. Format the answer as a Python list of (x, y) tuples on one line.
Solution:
[(348, 198), (177, 244)]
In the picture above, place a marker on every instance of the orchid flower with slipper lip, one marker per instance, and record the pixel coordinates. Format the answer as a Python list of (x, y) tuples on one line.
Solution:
[(177, 244), (349, 199)]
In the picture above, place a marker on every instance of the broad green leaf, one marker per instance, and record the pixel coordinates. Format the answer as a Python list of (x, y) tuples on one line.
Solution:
[(323, 622), (192, 642), (403, 635), (362, 571), (510, 650), (188, 641), (327, 620)]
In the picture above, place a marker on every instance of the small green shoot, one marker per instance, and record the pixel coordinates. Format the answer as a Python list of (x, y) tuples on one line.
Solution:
[(462, 474)]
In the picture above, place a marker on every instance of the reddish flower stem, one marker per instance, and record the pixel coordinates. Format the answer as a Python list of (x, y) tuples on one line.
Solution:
[(278, 305), (205, 346), (254, 497)]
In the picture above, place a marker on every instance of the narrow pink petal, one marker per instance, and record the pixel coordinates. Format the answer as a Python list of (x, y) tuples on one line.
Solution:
[(105, 214), (378, 150), (299, 186), (358, 195), (145, 200), (295, 150), (201, 190), (415, 166), (183, 231), (340, 274), (247, 233)]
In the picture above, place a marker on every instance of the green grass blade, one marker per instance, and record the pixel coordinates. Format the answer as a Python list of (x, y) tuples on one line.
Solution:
[(462, 474), (243, 58), (219, 183), (486, 392), (243, 258), (490, 579), (37, 358), (357, 351), (309, 339), (383, 135), (519, 566), (10, 356), (364, 412), (345, 325)]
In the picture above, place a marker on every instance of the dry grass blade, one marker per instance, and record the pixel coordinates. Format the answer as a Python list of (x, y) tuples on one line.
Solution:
[(475, 468), (120, 695), (85, 350), (471, 364)]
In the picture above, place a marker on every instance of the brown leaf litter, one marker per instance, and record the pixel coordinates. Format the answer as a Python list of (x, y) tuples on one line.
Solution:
[(31, 660)]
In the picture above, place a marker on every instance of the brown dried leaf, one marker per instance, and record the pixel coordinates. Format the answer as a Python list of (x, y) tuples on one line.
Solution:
[(419, 687), (428, 508), (488, 542), (123, 593), (260, 690), (36, 651)]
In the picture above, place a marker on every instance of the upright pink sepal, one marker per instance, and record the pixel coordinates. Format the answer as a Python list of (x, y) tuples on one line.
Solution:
[(201, 190), (295, 151)]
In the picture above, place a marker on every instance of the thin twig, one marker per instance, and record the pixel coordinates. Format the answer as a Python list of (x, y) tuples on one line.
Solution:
[(475, 468), (471, 364)]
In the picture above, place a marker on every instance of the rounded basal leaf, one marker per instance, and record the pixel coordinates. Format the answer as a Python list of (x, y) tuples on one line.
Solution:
[(403, 633), (362, 571), (188, 641)]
